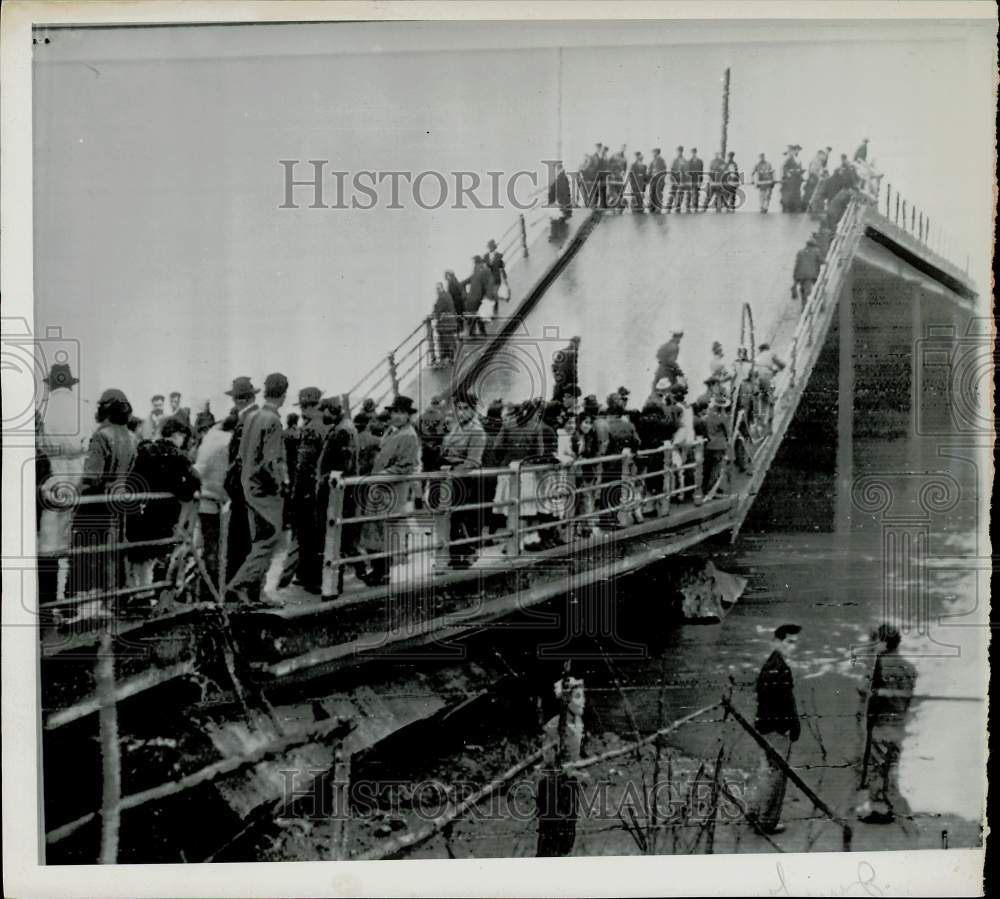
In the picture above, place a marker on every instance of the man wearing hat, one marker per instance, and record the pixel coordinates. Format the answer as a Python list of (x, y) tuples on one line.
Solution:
[(243, 395), (462, 454), (791, 181), (264, 478), (861, 154), (340, 454), (399, 454), (307, 535), (62, 435), (763, 177), (695, 172), (717, 431), (657, 175), (713, 190), (778, 720), (678, 181), (666, 359)]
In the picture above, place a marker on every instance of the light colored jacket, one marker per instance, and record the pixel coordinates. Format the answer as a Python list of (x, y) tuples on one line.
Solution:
[(211, 464)]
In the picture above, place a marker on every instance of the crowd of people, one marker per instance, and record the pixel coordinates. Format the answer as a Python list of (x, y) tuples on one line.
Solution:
[(276, 478)]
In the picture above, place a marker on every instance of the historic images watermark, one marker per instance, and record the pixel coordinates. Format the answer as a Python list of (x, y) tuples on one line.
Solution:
[(318, 184)]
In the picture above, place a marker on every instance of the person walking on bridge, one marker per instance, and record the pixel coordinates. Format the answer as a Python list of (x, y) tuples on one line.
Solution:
[(807, 265), (678, 181), (763, 177), (477, 285), (791, 180), (457, 294), (657, 177), (767, 365), (861, 154), (264, 476), (445, 325), (695, 171), (777, 719), (666, 360)]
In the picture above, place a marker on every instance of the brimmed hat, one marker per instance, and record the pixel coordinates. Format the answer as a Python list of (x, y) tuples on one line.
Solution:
[(60, 376), (402, 404), (676, 333), (309, 396), (242, 388)]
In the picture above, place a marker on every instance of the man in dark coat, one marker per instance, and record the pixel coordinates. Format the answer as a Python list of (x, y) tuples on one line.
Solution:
[(303, 493), (560, 192), (477, 287), (713, 189), (565, 366), (637, 179), (657, 177), (243, 394), (457, 294), (791, 181), (777, 719), (264, 476), (678, 181), (717, 434), (462, 454), (695, 170), (807, 265), (838, 206), (340, 453), (861, 154)]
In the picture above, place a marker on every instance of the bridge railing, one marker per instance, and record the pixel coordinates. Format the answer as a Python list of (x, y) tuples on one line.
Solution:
[(422, 346), (567, 500)]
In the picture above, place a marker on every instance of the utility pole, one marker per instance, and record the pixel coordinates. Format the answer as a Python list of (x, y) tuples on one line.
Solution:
[(725, 111), (559, 73)]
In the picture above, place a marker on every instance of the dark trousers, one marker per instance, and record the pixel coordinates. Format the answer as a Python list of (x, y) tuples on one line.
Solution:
[(804, 288), (714, 461), (692, 197), (237, 537), (264, 518), (211, 530), (466, 523), (677, 194), (309, 535), (558, 803)]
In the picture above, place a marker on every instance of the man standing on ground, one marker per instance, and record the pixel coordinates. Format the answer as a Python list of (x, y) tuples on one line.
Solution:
[(807, 266), (678, 181), (265, 481), (713, 190), (777, 719), (763, 177), (893, 681)]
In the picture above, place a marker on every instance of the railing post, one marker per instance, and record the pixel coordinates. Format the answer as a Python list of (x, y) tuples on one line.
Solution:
[(699, 470), (913, 219), (904, 215), (429, 337), (888, 197), (791, 365), (514, 513), (441, 510), (524, 237), (625, 512), (663, 506), (896, 219), (334, 531), (393, 374), (920, 229)]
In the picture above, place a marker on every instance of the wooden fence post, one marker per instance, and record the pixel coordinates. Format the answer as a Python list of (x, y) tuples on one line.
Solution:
[(897, 209), (699, 470), (524, 237), (334, 532)]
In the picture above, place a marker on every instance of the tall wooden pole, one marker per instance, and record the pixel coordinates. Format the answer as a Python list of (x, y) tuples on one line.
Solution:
[(559, 92), (725, 112)]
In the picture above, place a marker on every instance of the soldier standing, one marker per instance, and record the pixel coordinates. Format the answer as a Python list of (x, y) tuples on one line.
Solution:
[(763, 177), (638, 178), (893, 681), (713, 191), (657, 175), (678, 181), (308, 537), (695, 169)]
